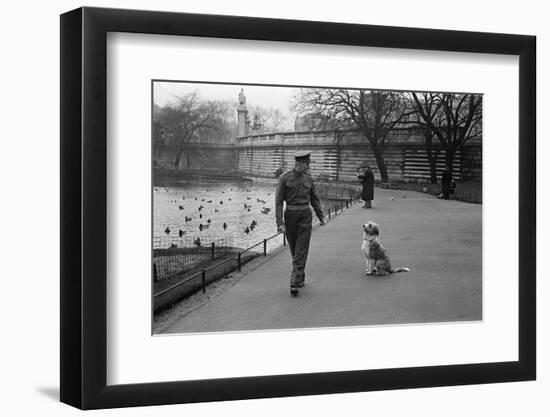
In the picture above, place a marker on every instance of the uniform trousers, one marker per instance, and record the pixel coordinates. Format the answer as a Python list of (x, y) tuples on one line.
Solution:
[(298, 234)]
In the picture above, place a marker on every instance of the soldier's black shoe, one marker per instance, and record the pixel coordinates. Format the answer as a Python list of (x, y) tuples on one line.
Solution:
[(294, 291)]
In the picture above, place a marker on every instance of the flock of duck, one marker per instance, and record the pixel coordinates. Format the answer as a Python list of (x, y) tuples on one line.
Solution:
[(201, 212)]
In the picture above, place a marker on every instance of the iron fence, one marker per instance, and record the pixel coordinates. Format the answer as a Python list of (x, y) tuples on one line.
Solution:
[(173, 255), (337, 191), (201, 277)]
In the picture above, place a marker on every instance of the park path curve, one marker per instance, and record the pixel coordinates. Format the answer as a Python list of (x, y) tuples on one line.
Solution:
[(440, 240)]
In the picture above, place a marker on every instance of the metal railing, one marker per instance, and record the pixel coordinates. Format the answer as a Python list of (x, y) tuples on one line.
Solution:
[(337, 191), (238, 258), (176, 242), (202, 273), (173, 256)]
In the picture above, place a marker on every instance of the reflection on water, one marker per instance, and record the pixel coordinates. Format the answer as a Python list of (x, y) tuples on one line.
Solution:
[(247, 209)]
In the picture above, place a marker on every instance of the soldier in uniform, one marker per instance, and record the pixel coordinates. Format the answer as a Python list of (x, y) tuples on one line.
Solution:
[(297, 189)]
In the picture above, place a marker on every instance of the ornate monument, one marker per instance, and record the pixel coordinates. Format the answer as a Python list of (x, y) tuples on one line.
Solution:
[(242, 99), (242, 115)]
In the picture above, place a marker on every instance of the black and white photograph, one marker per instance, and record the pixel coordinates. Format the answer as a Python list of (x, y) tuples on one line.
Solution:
[(299, 207), (243, 208)]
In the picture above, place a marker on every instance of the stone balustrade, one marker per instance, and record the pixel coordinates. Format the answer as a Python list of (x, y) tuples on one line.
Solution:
[(335, 155)]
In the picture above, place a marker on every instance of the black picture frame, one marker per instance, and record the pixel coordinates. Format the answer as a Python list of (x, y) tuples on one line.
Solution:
[(84, 207)]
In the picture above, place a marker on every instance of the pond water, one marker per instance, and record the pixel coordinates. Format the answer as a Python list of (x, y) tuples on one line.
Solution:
[(247, 209)]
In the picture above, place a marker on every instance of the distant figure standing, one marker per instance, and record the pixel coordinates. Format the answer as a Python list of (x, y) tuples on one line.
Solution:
[(446, 181), (297, 188), (367, 180)]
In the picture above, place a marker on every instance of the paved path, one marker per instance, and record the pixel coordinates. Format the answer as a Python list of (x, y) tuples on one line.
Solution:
[(439, 240)]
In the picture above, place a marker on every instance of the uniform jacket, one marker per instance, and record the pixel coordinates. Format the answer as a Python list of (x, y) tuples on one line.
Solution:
[(296, 189)]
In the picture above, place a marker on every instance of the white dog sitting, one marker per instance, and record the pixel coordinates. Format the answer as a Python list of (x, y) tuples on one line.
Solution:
[(375, 254)]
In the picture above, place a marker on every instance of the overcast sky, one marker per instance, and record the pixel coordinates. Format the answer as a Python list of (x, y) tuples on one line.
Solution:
[(263, 96)]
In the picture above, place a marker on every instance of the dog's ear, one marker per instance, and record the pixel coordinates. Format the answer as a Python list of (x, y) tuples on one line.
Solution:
[(375, 229)]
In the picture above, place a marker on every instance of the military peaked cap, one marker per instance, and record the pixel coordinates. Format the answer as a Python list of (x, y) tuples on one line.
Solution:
[(302, 156)]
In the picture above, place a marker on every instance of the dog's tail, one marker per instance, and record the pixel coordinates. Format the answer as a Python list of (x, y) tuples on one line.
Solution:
[(402, 269)]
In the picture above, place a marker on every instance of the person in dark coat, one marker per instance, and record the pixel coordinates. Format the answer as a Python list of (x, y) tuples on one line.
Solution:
[(367, 180), (446, 181), (297, 189)]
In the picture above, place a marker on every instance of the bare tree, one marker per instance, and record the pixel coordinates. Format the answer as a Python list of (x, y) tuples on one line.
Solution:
[(226, 126), (372, 112), (453, 118), (187, 119), (158, 131), (430, 104), (273, 119)]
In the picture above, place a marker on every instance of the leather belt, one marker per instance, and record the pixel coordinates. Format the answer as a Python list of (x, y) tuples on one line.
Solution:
[(297, 206)]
